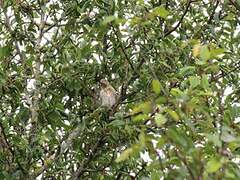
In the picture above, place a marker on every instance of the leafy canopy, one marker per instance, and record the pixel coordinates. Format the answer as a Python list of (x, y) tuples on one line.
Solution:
[(174, 63)]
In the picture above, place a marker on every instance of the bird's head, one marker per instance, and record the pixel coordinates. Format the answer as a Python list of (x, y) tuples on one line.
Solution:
[(104, 83)]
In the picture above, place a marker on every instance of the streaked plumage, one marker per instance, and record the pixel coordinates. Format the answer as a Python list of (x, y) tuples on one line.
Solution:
[(108, 94)]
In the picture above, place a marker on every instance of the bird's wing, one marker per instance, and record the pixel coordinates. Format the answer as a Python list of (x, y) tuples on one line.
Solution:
[(111, 91)]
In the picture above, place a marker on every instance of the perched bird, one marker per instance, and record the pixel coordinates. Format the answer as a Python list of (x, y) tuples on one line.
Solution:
[(108, 94)]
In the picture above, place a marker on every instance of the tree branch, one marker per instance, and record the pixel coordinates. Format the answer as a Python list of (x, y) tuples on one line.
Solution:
[(4, 140), (85, 162), (34, 106), (213, 12), (141, 170), (66, 142), (235, 4), (123, 50), (181, 19), (183, 159), (9, 28)]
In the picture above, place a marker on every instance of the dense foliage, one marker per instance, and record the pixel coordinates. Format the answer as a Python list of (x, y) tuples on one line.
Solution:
[(175, 65)]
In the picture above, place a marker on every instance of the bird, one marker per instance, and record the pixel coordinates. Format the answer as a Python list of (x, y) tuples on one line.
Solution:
[(108, 95)]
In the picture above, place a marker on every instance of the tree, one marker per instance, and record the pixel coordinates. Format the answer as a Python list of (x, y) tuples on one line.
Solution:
[(174, 63)]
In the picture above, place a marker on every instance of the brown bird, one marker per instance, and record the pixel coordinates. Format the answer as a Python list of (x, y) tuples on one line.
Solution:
[(108, 94)]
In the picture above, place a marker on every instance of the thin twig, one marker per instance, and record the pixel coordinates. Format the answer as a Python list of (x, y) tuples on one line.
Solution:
[(123, 50), (8, 26), (85, 162), (64, 144), (183, 159), (10, 148), (140, 171), (235, 4), (181, 19), (213, 12)]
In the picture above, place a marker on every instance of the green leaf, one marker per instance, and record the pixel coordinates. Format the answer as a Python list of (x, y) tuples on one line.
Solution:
[(214, 138), (129, 152), (176, 92), (117, 123), (156, 175), (235, 111), (160, 11), (201, 62), (120, 21), (196, 50), (55, 119), (84, 51), (156, 86), (180, 137), (194, 81), (204, 82), (141, 2), (230, 16), (5, 51), (233, 145), (142, 139), (213, 165), (161, 100), (135, 20), (187, 70), (140, 117), (217, 52), (160, 120), (238, 3), (125, 155), (228, 134), (108, 19), (173, 114), (2, 78), (227, 137), (54, 115), (205, 53), (145, 107)]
